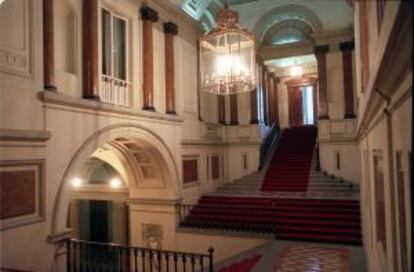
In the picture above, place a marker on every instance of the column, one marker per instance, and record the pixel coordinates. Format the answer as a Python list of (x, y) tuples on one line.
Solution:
[(315, 101), (234, 111), (276, 81), (291, 91), (170, 29), (363, 43), (74, 218), (148, 17), (221, 106), (254, 118), (121, 212), (265, 98), (271, 98), (48, 47), (199, 94), (320, 53), (346, 48), (253, 106), (90, 49)]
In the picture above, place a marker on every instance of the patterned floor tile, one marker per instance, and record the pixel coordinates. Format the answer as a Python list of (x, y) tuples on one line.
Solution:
[(296, 258)]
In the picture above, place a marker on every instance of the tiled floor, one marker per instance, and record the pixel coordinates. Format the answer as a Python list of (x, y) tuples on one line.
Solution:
[(297, 258), (285, 256)]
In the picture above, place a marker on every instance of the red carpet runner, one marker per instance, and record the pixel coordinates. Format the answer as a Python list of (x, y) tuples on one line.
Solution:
[(319, 220), (288, 170), (243, 266)]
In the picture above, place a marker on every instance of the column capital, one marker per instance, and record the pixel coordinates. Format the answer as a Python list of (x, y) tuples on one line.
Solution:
[(321, 49), (148, 14), (347, 46), (259, 59), (277, 79), (170, 28)]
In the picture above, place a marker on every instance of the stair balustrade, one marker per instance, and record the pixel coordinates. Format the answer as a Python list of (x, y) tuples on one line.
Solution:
[(183, 210), (94, 256), (318, 160), (266, 145)]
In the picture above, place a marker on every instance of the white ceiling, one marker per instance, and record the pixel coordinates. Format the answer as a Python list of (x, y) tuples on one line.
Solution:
[(333, 14), (304, 60)]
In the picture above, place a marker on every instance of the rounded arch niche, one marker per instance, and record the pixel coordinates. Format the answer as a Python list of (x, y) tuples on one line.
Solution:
[(283, 13), (150, 167)]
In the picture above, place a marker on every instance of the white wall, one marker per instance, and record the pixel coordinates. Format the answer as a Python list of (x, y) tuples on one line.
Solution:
[(335, 85), (349, 168)]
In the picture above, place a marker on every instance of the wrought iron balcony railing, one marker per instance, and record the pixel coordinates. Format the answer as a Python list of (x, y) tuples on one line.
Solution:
[(92, 256)]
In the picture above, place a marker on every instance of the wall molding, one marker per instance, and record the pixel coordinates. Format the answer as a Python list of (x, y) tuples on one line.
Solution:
[(18, 60), (24, 135), (38, 167), (80, 103), (204, 143)]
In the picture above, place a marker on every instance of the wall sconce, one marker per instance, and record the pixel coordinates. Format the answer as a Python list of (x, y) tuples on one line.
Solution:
[(115, 183), (76, 182)]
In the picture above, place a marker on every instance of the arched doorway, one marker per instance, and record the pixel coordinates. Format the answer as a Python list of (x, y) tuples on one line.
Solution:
[(145, 165), (98, 210)]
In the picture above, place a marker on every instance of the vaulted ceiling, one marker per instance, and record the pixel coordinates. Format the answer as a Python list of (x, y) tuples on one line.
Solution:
[(277, 21)]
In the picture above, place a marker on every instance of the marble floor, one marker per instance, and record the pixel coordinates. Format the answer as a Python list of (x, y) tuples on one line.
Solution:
[(286, 256)]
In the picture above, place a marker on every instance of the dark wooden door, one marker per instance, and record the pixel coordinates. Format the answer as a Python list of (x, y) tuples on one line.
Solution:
[(295, 106), (98, 224)]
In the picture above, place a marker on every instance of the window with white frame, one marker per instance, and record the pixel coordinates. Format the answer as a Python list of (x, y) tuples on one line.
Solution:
[(115, 85)]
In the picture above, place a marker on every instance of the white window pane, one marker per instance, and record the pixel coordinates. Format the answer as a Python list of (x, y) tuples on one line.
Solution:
[(106, 42), (119, 44)]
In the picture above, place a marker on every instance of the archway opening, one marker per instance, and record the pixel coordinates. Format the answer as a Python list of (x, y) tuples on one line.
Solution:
[(141, 161), (98, 193)]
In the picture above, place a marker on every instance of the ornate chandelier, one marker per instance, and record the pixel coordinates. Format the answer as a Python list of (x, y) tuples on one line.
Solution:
[(227, 56)]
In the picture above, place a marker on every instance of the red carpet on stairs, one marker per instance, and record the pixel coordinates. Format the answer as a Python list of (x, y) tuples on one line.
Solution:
[(319, 220), (288, 170), (243, 266)]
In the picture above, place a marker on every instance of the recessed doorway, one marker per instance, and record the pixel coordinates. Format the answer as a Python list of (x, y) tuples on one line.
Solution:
[(301, 104), (307, 105)]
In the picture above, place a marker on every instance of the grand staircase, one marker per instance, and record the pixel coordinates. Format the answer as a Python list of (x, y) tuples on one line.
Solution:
[(288, 170), (320, 207)]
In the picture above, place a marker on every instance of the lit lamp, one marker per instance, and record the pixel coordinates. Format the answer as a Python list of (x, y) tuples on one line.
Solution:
[(115, 183), (227, 56)]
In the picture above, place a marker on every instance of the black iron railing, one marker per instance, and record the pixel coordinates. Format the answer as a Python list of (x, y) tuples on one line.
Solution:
[(266, 145), (92, 256)]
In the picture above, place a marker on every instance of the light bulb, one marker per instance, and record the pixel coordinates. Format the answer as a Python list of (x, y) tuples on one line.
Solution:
[(115, 183), (76, 182)]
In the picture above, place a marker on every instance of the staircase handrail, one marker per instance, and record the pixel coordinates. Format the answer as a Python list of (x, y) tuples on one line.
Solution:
[(266, 145)]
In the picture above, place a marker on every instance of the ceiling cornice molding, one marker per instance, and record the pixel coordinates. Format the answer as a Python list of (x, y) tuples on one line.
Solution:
[(170, 12), (286, 50), (333, 36)]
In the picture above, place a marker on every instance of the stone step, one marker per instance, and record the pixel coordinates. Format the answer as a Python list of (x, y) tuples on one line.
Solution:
[(245, 183), (239, 188)]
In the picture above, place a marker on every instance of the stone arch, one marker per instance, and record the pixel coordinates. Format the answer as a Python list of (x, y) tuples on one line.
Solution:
[(287, 12), (145, 139), (207, 20), (286, 30)]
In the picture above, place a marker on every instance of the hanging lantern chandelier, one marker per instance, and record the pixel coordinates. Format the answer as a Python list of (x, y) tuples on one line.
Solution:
[(227, 56)]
